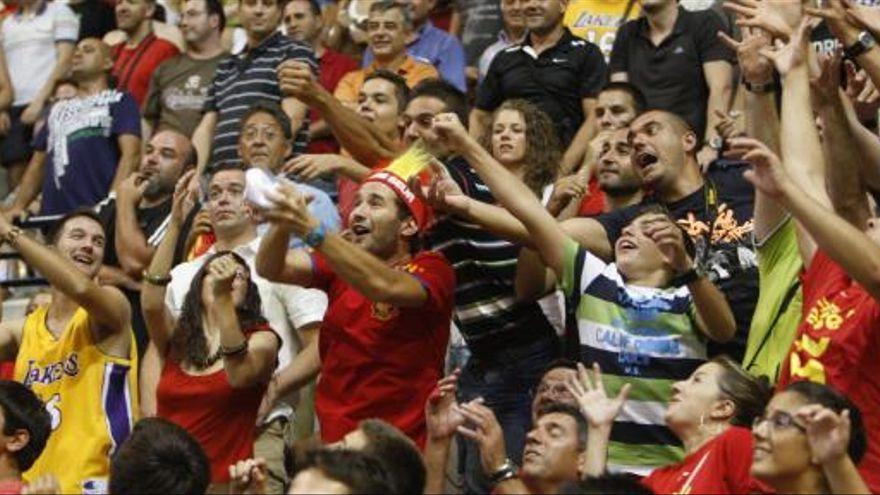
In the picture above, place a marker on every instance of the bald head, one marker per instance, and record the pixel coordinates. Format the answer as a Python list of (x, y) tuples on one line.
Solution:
[(166, 157)]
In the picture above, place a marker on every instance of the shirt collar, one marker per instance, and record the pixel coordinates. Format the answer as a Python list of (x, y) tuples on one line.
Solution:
[(565, 38), (408, 65), (247, 251), (421, 31), (262, 47)]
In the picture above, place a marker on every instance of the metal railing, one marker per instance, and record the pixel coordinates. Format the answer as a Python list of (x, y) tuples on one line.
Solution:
[(27, 277)]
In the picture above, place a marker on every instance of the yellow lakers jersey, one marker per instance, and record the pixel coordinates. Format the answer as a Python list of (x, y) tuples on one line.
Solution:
[(91, 397), (597, 20)]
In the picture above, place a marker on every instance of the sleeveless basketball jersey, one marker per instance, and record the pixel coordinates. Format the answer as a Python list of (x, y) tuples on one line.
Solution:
[(91, 397)]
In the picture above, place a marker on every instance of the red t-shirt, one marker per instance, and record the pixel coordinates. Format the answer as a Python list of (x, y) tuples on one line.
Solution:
[(222, 419), (133, 67), (720, 466), (333, 65), (837, 344), (593, 203), (379, 361)]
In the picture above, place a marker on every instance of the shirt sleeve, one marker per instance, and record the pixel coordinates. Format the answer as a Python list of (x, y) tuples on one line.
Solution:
[(152, 103), (210, 104), (709, 47), (303, 306), (322, 275), (620, 49), (594, 73), (451, 66), (489, 95), (438, 278), (579, 268), (126, 117), (65, 23), (345, 90), (301, 53)]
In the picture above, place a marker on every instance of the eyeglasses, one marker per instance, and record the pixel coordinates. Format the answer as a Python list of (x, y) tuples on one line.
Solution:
[(553, 390), (780, 420)]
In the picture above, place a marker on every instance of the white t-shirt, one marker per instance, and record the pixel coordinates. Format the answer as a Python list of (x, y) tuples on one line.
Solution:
[(286, 307), (29, 44)]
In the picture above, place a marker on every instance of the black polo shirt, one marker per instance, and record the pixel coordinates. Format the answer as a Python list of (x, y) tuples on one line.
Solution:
[(557, 80), (671, 75)]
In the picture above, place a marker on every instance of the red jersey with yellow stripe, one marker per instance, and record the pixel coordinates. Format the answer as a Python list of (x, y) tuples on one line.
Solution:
[(837, 344)]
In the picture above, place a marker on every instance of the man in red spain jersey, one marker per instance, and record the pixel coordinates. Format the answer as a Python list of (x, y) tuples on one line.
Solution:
[(384, 336)]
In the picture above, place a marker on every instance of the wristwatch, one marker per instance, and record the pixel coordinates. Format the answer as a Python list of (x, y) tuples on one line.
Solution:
[(717, 143), (316, 237), (507, 471), (863, 43), (688, 277)]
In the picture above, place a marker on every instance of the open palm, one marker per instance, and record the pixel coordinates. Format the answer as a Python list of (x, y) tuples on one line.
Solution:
[(827, 432), (599, 409), (441, 417)]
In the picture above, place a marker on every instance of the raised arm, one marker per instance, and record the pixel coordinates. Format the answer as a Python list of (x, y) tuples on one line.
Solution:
[(359, 137), (202, 138), (600, 411), (513, 194), (372, 277), (31, 183), (132, 248), (246, 360), (107, 305), (442, 419), (843, 180), (799, 139), (857, 253), (159, 321), (129, 156), (275, 262)]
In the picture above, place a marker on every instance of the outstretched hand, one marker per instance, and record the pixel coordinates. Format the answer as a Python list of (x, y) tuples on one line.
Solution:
[(789, 56), (484, 429), (599, 409), (767, 173), (290, 210), (441, 415), (777, 17), (442, 193)]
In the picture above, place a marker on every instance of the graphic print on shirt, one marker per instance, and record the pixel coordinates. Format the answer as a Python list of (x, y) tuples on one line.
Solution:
[(78, 118), (190, 96), (732, 243), (806, 360)]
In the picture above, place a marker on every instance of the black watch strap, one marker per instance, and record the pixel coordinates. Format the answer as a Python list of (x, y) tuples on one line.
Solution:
[(686, 278), (864, 43)]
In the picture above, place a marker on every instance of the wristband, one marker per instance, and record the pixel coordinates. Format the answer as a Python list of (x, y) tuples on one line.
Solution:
[(863, 43), (155, 279), (507, 471), (316, 237), (234, 351), (769, 87), (686, 278)]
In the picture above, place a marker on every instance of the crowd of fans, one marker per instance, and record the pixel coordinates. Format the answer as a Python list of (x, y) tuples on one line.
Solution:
[(428, 246)]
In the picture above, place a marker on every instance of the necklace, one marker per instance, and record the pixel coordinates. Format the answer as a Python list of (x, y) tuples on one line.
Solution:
[(208, 361)]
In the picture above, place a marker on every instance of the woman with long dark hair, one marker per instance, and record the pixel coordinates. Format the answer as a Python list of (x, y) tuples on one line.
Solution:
[(218, 357)]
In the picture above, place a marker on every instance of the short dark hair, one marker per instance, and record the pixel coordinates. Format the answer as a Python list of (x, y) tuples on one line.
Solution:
[(574, 413), (566, 363), (314, 7), (361, 473), (401, 90), (58, 228), (159, 457), (214, 169), (383, 6), (215, 7), (455, 100), (633, 91), (274, 110), (823, 395), (23, 410), (401, 456), (607, 484)]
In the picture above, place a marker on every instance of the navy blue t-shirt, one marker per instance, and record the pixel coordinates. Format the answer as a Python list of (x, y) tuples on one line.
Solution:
[(80, 139)]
